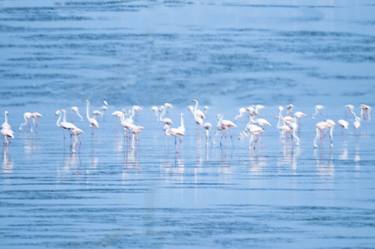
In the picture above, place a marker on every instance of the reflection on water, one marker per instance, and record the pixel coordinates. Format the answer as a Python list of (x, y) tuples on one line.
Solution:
[(324, 162), (71, 166), (290, 155), (256, 163), (344, 154), (7, 161)]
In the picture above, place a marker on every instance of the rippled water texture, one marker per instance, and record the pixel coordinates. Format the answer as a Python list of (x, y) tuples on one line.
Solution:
[(227, 53)]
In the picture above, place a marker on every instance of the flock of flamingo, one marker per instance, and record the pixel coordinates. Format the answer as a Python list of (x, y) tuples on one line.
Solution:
[(287, 122)]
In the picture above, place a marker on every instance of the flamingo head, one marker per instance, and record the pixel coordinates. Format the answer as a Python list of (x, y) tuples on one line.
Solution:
[(191, 108), (349, 108), (168, 105), (137, 108), (154, 109)]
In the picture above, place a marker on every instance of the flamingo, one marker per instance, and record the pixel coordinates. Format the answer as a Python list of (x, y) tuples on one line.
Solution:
[(198, 115), (6, 130), (262, 122), (365, 112), (31, 119), (252, 110), (280, 117), (207, 126), (126, 123), (318, 109), (6, 124), (357, 120), (176, 132), (162, 118), (104, 107), (343, 123), (74, 134), (134, 110), (75, 109), (293, 125), (254, 132), (156, 110), (92, 120), (27, 116), (241, 112), (288, 125), (319, 129), (61, 121), (36, 116), (289, 109), (223, 125)]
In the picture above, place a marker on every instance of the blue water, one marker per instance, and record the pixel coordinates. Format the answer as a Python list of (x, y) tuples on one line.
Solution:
[(226, 53)]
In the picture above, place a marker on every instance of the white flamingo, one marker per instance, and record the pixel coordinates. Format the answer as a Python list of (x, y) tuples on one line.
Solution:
[(92, 120), (365, 112), (31, 119), (6, 130), (254, 132), (198, 114), (62, 123), (162, 118), (27, 116), (343, 123), (75, 109), (320, 127), (288, 125), (223, 125), (318, 110), (207, 126), (176, 132)]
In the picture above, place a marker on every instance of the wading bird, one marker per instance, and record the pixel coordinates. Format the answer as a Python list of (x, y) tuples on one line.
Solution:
[(75, 109), (318, 110), (31, 119), (320, 127), (223, 126), (92, 120), (176, 132), (6, 130)]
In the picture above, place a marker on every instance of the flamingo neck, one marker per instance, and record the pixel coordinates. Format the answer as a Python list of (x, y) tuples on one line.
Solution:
[(88, 110), (219, 119), (58, 122), (196, 106), (122, 117), (64, 116), (280, 119), (162, 114), (6, 117), (132, 113), (182, 124)]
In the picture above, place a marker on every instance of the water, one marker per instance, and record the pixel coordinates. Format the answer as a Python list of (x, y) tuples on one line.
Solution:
[(228, 53)]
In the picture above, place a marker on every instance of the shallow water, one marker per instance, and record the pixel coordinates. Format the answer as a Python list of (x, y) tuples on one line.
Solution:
[(227, 53)]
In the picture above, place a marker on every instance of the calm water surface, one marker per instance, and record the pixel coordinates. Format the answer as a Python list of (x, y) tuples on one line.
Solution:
[(228, 53)]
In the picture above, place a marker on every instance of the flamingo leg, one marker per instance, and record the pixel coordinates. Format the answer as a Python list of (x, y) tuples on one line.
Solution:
[(295, 137), (317, 136), (331, 136)]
